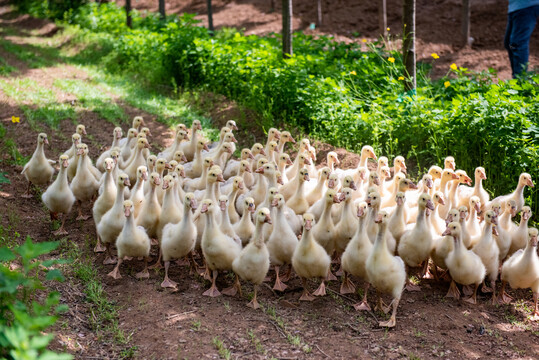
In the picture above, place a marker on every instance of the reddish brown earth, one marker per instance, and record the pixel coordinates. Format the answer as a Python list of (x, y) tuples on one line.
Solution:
[(183, 324), (437, 24)]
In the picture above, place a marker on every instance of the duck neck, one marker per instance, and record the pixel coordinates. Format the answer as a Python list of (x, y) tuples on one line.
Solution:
[(523, 223), (108, 178), (210, 192), (326, 214), (443, 186), (301, 185), (459, 247), (130, 223), (81, 164), (138, 185), (363, 161), (152, 194), (232, 197), (487, 232), (380, 243), (187, 213), (245, 218), (320, 185), (118, 203), (225, 219), (62, 176), (519, 191), (257, 238), (40, 150), (478, 184), (168, 198), (421, 215), (197, 158), (272, 181), (115, 142)]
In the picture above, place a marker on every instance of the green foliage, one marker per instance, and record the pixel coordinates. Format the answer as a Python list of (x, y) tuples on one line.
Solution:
[(24, 316), (346, 94)]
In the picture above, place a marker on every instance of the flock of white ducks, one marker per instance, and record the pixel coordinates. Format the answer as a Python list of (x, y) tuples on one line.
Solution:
[(245, 215)]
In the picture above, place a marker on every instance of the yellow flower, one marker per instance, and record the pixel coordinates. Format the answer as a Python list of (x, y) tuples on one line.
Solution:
[(388, 29), (15, 119), (447, 84), (401, 78), (453, 66), (364, 40), (435, 56), (391, 59), (353, 72)]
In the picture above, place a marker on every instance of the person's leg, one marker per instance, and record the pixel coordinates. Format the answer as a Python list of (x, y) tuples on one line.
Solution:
[(524, 21), (506, 41)]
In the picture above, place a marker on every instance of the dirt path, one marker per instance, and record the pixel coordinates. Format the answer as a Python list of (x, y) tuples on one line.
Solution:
[(169, 325)]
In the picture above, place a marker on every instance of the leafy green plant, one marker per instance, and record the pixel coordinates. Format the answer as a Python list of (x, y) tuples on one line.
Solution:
[(23, 316)]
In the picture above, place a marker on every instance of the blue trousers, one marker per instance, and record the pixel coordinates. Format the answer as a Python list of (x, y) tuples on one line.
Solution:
[(520, 25)]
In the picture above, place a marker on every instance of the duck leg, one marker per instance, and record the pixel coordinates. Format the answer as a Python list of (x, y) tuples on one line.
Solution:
[(234, 289), (330, 276), (485, 288), (535, 314), (27, 194), (393, 319), (279, 285), (254, 303), (306, 296), (467, 290), (495, 300), (61, 230), (109, 259), (167, 282), (321, 291), (504, 297), (288, 275), (99, 248), (473, 299), (364, 305), (453, 291), (409, 285), (425, 272), (144, 274), (380, 306), (115, 274), (157, 264), (347, 287), (212, 291), (81, 217)]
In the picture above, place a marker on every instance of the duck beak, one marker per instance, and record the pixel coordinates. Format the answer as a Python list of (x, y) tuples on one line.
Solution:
[(336, 199), (400, 201), (248, 169), (308, 224), (184, 159), (525, 215), (276, 150), (234, 139), (342, 197), (80, 151), (168, 166), (533, 240), (199, 127), (204, 208), (252, 208), (289, 162), (441, 201), (109, 166), (307, 162), (530, 182), (228, 150), (267, 219), (275, 202), (145, 176), (482, 175), (127, 211), (360, 211), (263, 152), (374, 156), (353, 185), (220, 178), (146, 145), (331, 183), (378, 219), (292, 140), (205, 147), (193, 204), (76, 142), (448, 220), (280, 180), (46, 141), (463, 215), (477, 207), (127, 182), (222, 205), (182, 173), (240, 186), (376, 181), (165, 184), (157, 181), (260, 170), (306, 177), (446, 232), (65, 163), (413, 186), (429, 183), (277, 136), (495, 231), (118, 135), (513, 212), (430, 205), (455, 176)]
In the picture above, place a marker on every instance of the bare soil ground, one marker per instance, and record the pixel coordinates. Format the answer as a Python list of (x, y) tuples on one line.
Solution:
[(437, 24), (184, 324)]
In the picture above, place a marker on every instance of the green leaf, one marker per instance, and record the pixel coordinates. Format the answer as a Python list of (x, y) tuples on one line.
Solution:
[(55, 274), (6, 254), (30, 250), (49, 355), (40, 341)]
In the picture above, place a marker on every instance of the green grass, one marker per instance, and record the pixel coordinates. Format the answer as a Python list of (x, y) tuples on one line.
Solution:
[(5, 68), (31, 58), (224, 353)]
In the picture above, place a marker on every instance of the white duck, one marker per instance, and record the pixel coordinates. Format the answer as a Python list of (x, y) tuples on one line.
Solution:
[(179, 239), (38, 170), (252, 264), (84, 184), (521, 271), (385, 272), (116, 136), (245, 227), (105, 201), (310, 260), (132, 242), (58, 197), (524, 180), (519, 237)]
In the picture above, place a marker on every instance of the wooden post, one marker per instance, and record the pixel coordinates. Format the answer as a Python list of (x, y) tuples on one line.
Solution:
[(128, 13), (382, 16), (408, 45), (319, 12), (162, 9), (210, 16), (466, 11), (287, 28)]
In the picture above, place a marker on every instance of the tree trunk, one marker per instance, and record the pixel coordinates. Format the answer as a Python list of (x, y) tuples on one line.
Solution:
[(287, 28), (466, 11), (408, 45), (272, 5), (382, 16), (319, 12), (162, 9), (128, 12), (210, 16)]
